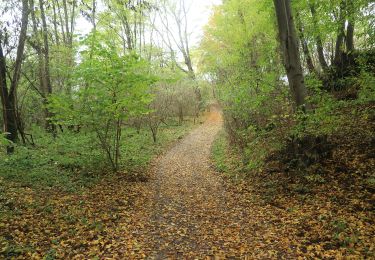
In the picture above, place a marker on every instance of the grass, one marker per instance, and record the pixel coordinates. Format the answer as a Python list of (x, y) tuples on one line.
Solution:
[(139, 149), (219, 153), (224, 158), (71, 161)]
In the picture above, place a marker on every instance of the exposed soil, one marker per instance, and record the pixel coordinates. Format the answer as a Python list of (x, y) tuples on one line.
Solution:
[(193, 212), (189, 197)]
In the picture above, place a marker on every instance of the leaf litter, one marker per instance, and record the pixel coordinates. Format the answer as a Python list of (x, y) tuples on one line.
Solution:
[(185, 211)]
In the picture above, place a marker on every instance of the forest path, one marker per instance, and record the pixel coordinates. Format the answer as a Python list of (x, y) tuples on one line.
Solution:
[(188, 211), (191, 215)]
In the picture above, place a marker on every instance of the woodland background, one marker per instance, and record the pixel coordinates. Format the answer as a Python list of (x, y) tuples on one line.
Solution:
[(295, 81)]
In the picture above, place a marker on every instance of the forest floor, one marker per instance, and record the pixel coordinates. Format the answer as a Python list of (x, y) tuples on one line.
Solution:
[(186, 210), (191, 212)]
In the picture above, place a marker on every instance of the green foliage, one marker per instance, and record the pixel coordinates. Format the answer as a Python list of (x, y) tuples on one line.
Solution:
[(219, 153), (73, 161), (367, 84), (327, 20), (241, 56), (342, 232), (323, 118), (4, 142), (225, 159), (315, 178), (140, 148), (52, 163), (110, 89)]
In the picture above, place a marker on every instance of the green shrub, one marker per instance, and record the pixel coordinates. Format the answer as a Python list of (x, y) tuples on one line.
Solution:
[(219, 153), (4, 142), (367, 90), (72, 161)]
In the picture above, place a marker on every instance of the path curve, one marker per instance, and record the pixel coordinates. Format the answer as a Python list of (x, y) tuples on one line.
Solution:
[(189, 204), (193, 213), (188, 193)]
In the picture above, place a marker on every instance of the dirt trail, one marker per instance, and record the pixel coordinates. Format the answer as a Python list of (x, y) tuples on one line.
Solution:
[(188, 194), (193, 214), (189, 209)]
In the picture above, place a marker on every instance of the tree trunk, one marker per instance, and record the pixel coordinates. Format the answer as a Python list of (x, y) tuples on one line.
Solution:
[(38, 48), (350, 37), (66, 21), (56, 32), (180, 114), (8, 98), (46, 73), (93, 21), (72, 19), (350, 11), (128, 33), (339, 52), (305, 48), (61, 21), (339, 45), (9, 119), (154, 131), (319, 43), (290, 52)]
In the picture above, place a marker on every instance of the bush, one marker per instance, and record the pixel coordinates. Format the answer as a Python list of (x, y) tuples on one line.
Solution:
[(110, 89), (4, 142), (72, 161), (367, 90)]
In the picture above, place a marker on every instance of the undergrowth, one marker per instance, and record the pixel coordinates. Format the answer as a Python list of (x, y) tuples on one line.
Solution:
[(71, 161), (332, 194), (225, 159)]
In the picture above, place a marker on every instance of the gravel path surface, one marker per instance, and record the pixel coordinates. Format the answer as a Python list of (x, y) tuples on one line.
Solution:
[(189, 195), (192, 213)]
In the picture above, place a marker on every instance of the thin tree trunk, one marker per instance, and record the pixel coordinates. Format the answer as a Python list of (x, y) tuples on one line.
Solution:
[(72, 19), (186, 41), (118, 140), (61, 22), (66, 20), (56, 31), (46, 73), (38, 48), (128, 33), (94, 15), (319, 43), (46, 49), (305, 48), (18, 66)]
